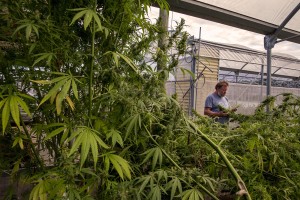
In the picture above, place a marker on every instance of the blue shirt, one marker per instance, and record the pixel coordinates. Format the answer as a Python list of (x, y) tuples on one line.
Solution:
[(213, 101)]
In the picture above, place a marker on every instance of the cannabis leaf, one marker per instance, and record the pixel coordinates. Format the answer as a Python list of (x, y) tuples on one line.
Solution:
[(88, 139), (119, 163)]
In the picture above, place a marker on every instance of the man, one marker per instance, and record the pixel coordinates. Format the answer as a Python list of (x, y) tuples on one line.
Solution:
[(216, 101)]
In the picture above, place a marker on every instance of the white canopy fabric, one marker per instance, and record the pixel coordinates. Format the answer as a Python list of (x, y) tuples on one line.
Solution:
[(259, 16), (271, 11)]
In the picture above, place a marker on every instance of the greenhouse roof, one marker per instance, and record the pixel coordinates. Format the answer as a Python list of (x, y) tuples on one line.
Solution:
[(258, 16), (246, 60)]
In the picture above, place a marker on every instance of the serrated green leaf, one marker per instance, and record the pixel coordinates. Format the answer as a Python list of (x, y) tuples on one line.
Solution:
[(43, 82), (32, 47), (120, 165), (149, 153), (125, 166), (21, 143), (24, 106), (86, 138), (106, 164), (35, 30), (97, 20), (129, 62), (14, 110), (100, 142), (106, 31), (5, 115), (115, 137), (116, 59), (16, 166), (94, 148), (87, 18), (53, 90), (64, 136), (65, 89), (76, 144), (116, 166), (144, 184), (70, 102), (57, 79), (155, 157), (175, 185), (55, 132), (16, 141), (28, 31), (53, 97), (132, 124), (26, 96), (85, 147), (74, 88), (77, 9), (186, 194), (2, 102), (42, 57), (19, 28), (78, 15), (58, 103)]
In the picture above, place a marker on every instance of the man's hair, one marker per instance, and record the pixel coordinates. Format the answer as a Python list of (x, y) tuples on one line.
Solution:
[(221, 84)]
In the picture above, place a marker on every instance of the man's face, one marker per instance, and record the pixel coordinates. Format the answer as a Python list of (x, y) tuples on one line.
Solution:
[(222, 91)]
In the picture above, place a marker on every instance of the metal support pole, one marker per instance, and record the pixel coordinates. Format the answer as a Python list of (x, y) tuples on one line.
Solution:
[(192, 85), (262, 82), (269, 43), (269, 64)]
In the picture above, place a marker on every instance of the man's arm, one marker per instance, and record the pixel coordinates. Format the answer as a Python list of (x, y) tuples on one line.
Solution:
[(209, 112)]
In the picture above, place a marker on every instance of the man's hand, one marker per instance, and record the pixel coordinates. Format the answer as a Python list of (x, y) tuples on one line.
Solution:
[(222, 114)]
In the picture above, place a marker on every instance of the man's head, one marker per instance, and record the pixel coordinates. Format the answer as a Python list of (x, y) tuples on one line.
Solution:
[(221, 88)]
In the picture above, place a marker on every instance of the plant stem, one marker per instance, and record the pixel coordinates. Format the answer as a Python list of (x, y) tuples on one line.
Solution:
[(240, 182), (35, 153), (92, 67)]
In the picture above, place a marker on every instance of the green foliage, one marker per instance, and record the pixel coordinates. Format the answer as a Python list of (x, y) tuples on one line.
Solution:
[(99, 118), (264, 149), (113, 133)]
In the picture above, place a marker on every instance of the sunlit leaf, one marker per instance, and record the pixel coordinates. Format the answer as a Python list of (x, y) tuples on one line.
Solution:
[(53, 90), (14, 110), (18, 140), (5, 115), (70, 102), (87, 18), (44, 82)]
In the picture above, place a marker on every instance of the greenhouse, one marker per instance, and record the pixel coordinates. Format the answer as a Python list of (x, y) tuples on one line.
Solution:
[(97, 102), (244, 68)]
